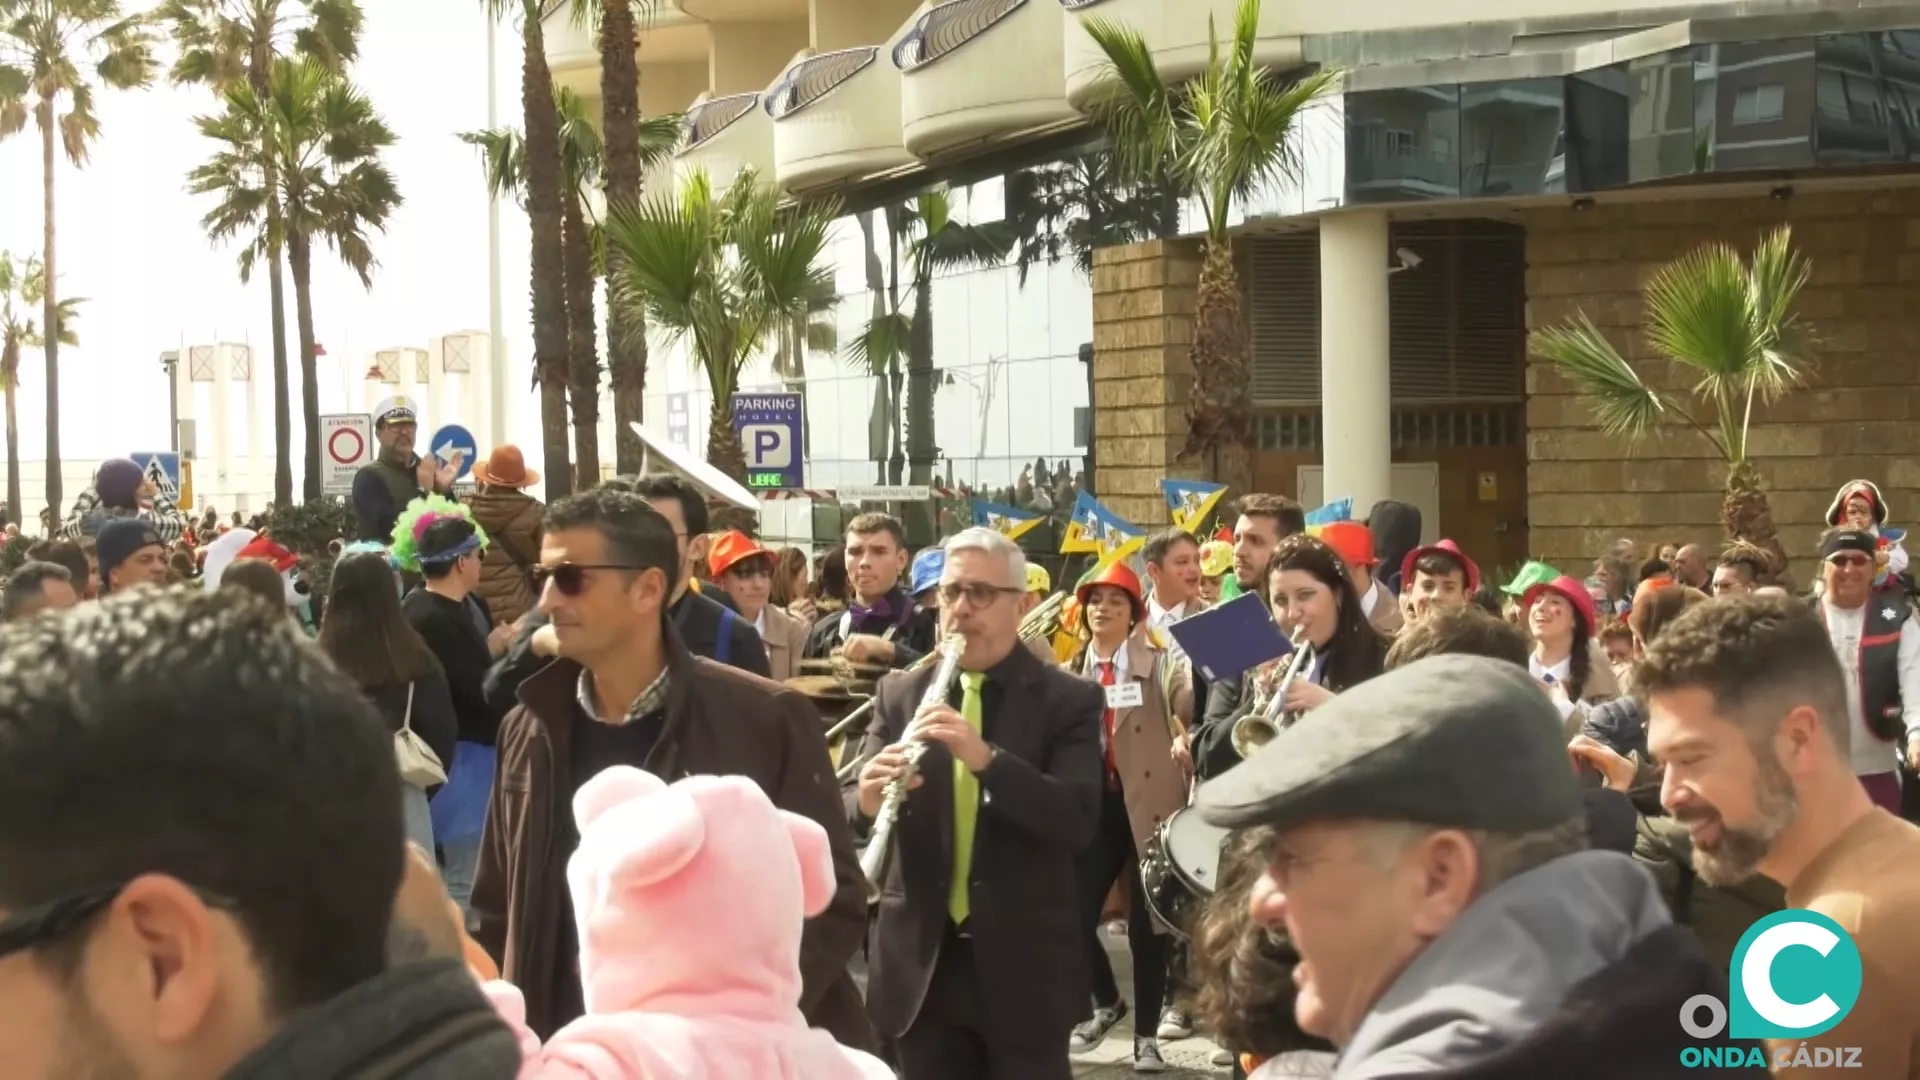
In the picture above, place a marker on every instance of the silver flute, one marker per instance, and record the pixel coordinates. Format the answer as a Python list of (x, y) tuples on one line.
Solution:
[(875, 860)]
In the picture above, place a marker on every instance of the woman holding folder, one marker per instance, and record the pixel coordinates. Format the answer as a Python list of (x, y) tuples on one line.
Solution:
[(1149, 704)]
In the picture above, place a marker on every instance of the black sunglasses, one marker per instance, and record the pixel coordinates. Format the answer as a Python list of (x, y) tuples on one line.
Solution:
[(47, 923), (978, 593), (569, 578)]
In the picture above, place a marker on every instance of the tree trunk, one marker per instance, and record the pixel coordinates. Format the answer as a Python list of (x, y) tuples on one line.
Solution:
[(1220, 417), (880, 417), (50, 309), (582, 343), (620, 120), (921, 382), (544, 213), (10, 366), (300, 261), (724, 451), (282, 408), (1748, 517)]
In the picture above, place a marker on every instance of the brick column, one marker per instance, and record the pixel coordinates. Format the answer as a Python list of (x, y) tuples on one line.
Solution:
[(1143, 301)]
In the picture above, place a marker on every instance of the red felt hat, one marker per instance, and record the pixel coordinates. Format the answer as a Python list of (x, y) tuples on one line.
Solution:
[(1574, 593), (1444, 547), (1120, 576), (263, 548)]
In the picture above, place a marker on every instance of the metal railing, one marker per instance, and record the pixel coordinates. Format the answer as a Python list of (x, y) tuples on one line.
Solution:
[(813, 78), (710, 118), (947, 27)]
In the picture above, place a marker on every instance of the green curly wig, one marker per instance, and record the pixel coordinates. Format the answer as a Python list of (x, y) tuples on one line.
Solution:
[(419, 516)]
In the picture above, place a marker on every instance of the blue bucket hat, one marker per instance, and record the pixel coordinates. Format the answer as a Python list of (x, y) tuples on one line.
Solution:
[(927, 567)]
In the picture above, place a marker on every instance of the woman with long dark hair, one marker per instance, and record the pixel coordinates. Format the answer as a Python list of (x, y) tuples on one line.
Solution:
[(1309, 588), (1563, 619), (368, 639)]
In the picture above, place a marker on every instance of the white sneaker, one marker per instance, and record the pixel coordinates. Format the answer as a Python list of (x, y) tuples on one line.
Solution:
[(1174, 1024), (1091, 1032), (1146, 1056), (1223, 1057)]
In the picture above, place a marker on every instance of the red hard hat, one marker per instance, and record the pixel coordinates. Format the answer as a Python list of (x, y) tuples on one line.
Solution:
[(1120, 576)]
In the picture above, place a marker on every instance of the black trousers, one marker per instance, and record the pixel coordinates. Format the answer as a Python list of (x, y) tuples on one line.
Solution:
[(1100, 863), (952, 1039)]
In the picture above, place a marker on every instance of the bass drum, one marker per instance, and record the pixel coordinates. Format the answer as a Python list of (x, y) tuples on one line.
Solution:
[(1181, 868)]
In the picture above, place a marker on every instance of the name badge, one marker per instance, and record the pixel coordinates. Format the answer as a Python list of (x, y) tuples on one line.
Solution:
[(1124, 695)]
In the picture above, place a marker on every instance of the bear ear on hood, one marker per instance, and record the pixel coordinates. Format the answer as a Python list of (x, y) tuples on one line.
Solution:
[(645, 851), (817, 885), (610, 788)]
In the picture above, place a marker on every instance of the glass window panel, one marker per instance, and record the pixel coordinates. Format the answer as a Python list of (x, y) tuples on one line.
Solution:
[(1031, 313), (986, 313), (1402, 144), (1069, 310), (1511, 131)]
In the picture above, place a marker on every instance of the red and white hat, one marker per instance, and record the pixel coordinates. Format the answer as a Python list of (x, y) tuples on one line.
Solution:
[(263, 548), (1866, 490)]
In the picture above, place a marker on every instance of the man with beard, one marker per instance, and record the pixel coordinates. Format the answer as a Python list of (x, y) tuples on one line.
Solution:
[(396, 476), (1748, 708), (1264, 521)]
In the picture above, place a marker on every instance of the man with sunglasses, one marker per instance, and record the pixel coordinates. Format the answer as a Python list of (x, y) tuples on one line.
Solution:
[(201, 881), (882, 624), (1879, 649), (975, 968), (627, 691)]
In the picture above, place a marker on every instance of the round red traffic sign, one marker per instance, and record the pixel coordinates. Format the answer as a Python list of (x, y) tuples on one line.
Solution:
[(346, 445)]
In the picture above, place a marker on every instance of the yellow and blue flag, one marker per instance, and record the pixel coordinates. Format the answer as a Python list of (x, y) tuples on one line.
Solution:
[(1335, 511), (1009, 521), (1096, 530), (1190, 502)]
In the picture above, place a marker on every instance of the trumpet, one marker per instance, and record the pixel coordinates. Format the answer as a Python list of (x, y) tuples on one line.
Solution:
[(1263, 722), (879, 853)]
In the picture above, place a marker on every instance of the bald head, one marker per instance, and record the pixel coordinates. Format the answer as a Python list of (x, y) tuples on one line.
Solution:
[(1690, 566)]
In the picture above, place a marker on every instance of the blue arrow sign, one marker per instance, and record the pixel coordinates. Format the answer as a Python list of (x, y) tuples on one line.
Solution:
[(451, 439)]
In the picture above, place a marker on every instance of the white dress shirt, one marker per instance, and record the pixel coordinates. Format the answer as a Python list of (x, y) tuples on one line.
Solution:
[(1871, 755), (1160, 618)]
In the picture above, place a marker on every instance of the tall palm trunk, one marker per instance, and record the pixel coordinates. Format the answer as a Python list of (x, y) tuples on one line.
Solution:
[(626, 326), (259, 66), (300, 261), (921, 381), (50, 308), (1223, 382), (544, 212), (10, 366), (880, 417), (1748, 516), (896, 398), (584, 356)]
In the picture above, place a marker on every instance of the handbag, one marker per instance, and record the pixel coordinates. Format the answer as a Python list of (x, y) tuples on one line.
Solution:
[(419, 765)]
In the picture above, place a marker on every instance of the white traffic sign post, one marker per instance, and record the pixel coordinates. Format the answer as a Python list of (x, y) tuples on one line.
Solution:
[(346, 443)]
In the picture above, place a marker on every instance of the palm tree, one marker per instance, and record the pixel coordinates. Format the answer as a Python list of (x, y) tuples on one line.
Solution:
[(1066, 209), (545, 212), (897, 339), (626, 161), (55, 52), (726, 273), (503, 153), (323, 140), (1227, 133), (25, 283), (1732, 326), (227, 42)]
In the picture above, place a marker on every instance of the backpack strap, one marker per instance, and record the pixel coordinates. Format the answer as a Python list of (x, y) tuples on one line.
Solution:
[(723, 644)]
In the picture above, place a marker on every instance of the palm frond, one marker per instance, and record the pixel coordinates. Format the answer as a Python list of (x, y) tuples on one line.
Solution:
[(1138, 112), (882, 344), (1777, 273), (1621, 401), (1700, 314), (659, 138)]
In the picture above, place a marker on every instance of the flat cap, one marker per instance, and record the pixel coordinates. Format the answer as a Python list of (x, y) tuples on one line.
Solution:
[(1454, 741)]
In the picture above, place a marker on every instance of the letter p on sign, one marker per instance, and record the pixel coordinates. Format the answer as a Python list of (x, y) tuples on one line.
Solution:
[(767, 446)]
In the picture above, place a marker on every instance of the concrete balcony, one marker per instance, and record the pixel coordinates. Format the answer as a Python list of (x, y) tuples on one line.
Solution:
[(1176, 33), (724, 136), (836, 117), (977, 71)]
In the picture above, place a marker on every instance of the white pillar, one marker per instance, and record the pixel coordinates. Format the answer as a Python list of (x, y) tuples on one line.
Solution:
[(1356, 396)]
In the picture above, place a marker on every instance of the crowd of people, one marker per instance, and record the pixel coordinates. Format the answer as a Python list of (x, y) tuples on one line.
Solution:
[(526, 790)]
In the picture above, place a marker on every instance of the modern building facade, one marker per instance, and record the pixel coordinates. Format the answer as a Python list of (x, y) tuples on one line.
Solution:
[(1486, 167)]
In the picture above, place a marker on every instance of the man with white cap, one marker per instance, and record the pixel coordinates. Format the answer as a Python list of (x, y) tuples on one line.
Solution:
[(397, 475), (1425, 849)]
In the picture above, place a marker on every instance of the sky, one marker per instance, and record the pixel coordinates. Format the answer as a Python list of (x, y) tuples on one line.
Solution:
[(130, 241)]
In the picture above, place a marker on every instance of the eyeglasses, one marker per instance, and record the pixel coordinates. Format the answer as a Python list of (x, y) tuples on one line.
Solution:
[(569, 578), (978, 593), (47, 923), (1852, 559)]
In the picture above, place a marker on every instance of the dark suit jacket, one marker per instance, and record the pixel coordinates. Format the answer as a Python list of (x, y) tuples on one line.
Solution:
[(719, 721), (1039, 805)]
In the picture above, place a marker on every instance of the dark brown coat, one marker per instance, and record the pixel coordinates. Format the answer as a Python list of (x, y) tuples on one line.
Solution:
[(1040, 803), (720, 721), (512, 520)]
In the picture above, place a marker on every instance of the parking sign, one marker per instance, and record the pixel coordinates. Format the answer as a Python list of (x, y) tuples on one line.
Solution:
[(769, 429)]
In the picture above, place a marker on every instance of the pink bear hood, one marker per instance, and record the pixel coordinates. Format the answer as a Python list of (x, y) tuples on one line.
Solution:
[(690, 901)]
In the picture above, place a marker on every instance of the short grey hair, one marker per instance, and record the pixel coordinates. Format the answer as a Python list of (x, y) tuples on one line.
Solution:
[(993, 543)]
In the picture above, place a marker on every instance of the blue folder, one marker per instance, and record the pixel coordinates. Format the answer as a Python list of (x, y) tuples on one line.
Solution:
[(1226, 640)]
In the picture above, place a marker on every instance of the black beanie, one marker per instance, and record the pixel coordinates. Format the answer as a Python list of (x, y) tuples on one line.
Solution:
[(117, 542)]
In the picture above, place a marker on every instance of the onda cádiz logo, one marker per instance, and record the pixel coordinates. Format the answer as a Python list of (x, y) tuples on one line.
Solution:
[(1795, 975)]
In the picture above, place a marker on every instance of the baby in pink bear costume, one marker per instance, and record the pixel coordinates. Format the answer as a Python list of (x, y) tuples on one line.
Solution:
[(690, 901)]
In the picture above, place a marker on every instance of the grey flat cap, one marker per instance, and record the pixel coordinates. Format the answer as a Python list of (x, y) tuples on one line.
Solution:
[(1455, 741)]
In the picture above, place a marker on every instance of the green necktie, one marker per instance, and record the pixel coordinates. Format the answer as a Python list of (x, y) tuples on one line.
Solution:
[(966, 805)]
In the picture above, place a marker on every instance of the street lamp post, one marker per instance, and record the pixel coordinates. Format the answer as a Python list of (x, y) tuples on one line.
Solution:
[(170, 363)]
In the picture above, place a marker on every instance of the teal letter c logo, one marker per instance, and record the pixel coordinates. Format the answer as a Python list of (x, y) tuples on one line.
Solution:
[(1795, 975)]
